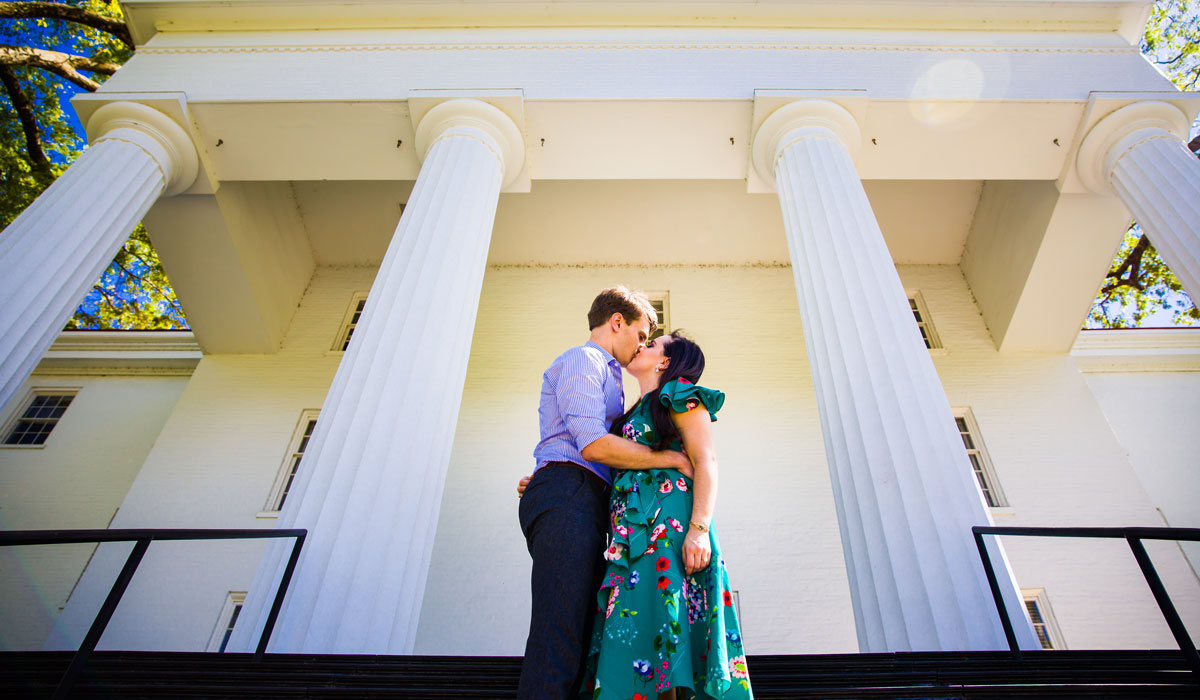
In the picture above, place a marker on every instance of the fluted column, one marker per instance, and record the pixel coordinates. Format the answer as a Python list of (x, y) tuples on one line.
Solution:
[(1139, 153), (905, 494), (56, 249), (370, 486)]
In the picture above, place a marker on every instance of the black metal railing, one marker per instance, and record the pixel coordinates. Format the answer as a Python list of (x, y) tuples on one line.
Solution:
[(143, 538), (1132, 535)]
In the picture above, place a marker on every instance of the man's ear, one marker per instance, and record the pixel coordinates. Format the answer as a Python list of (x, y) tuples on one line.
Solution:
[(616, 321)]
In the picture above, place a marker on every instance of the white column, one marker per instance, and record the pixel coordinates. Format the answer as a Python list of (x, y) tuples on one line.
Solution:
[(56, 249), (1139, 153), (370, 486), (905, 494)]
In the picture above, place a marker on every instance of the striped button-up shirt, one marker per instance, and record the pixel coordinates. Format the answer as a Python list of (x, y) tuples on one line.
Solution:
[(581, 397)]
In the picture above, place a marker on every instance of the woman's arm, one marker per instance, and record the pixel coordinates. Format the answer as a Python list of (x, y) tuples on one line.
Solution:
[(695, 427)]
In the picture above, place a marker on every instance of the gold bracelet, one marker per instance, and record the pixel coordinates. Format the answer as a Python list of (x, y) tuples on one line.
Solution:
[(698, 526)]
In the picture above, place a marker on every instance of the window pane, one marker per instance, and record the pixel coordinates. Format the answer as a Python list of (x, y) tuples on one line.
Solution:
[(237, 609), (38, 419), (659, 306)]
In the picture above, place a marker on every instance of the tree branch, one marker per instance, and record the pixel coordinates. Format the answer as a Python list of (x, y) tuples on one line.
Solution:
[(1168, 62), (107, 299), (63, 64), (53, 10), (142, 279), (1129, 273), (33, 137)]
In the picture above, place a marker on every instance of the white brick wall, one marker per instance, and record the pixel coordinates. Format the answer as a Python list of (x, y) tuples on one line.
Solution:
[(1154, 415), (1060, 465), (1054, 453), (75, 481)]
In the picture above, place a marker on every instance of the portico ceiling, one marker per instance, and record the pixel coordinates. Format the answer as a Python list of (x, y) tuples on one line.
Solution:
[(651, 222)]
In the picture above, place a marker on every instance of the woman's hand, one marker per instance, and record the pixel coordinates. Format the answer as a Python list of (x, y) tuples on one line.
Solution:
[(522, 484), (697, 551)]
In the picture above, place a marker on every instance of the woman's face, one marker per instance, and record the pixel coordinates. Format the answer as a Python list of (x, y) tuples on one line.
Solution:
[(651, 356)]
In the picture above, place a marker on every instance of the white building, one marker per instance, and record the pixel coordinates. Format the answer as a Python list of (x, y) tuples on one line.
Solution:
[(715, 154)]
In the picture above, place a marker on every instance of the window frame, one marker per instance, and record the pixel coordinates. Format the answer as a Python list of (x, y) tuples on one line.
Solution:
[(924, 321), (986, 469), (234, 603), (25, 404), (664, 319), (1049, 622), (341, 341), (282, 481)]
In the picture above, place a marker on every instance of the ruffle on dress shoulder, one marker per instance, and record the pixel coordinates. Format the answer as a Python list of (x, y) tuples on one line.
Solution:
[(681, 395)]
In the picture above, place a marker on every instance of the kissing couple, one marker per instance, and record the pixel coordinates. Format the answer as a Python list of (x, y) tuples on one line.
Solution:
[(631, 600)]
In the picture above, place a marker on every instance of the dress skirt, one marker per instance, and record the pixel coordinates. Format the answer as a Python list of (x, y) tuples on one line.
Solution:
[(657, 628)]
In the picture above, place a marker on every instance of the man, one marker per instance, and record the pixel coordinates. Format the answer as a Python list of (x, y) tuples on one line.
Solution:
[(564, 509)]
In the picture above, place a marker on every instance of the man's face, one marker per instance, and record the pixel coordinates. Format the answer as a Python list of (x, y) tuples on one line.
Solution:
[(631, 337)]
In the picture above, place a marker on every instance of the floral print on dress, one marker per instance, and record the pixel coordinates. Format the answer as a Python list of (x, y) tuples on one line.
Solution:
[(657, 627)]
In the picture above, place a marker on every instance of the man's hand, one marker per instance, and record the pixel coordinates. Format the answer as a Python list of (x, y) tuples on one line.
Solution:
[(683, 464), (522, 484), (697, 551)]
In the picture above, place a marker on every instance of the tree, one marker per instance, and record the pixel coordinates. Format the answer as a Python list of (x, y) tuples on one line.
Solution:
[(1140, 289), (50, 51)]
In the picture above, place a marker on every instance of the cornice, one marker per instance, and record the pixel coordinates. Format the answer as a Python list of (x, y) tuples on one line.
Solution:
[(630, 46), (1125, 18), (1138, 350), (94, 353)]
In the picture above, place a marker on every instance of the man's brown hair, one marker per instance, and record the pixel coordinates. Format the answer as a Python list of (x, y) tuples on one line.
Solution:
[(619, 300)]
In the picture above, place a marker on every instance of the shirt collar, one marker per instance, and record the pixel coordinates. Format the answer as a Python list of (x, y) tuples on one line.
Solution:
[(610, 360)]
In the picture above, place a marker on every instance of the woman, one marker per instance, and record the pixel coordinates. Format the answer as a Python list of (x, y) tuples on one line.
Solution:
[(665, 622)]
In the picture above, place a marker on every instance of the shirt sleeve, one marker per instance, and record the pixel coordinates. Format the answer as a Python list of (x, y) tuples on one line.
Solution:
[(580, 395)]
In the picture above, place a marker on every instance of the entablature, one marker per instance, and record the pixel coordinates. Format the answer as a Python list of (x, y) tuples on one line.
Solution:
[(149, 17)]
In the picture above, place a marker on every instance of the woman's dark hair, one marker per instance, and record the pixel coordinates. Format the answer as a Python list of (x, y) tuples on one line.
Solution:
[(687, 362)]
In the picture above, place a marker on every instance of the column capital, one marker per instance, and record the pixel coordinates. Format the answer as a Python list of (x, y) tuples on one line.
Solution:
[(155, 133), (799, 120), (1114, 135), (472, 118)]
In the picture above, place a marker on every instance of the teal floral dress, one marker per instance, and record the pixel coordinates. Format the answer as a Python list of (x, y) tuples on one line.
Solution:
[(657, 628)]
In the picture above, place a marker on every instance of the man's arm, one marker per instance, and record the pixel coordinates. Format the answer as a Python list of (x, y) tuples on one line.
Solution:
[(580, 397), (620, 453), (635, 455)]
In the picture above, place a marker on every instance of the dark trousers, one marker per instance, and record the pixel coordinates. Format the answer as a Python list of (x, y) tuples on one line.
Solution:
[(564, 515)]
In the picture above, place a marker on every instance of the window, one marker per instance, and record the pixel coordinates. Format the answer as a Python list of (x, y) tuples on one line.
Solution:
[(226, 621), (1044, 624), (659, 300), (968, 430), (921, 314), (42, 412), (291, 462), (357, 304)]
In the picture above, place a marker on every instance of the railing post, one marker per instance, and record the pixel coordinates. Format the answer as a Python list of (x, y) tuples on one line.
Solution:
[(143, 538), (278, 602), (1164, 601), (106, 612), (1009, 633)]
